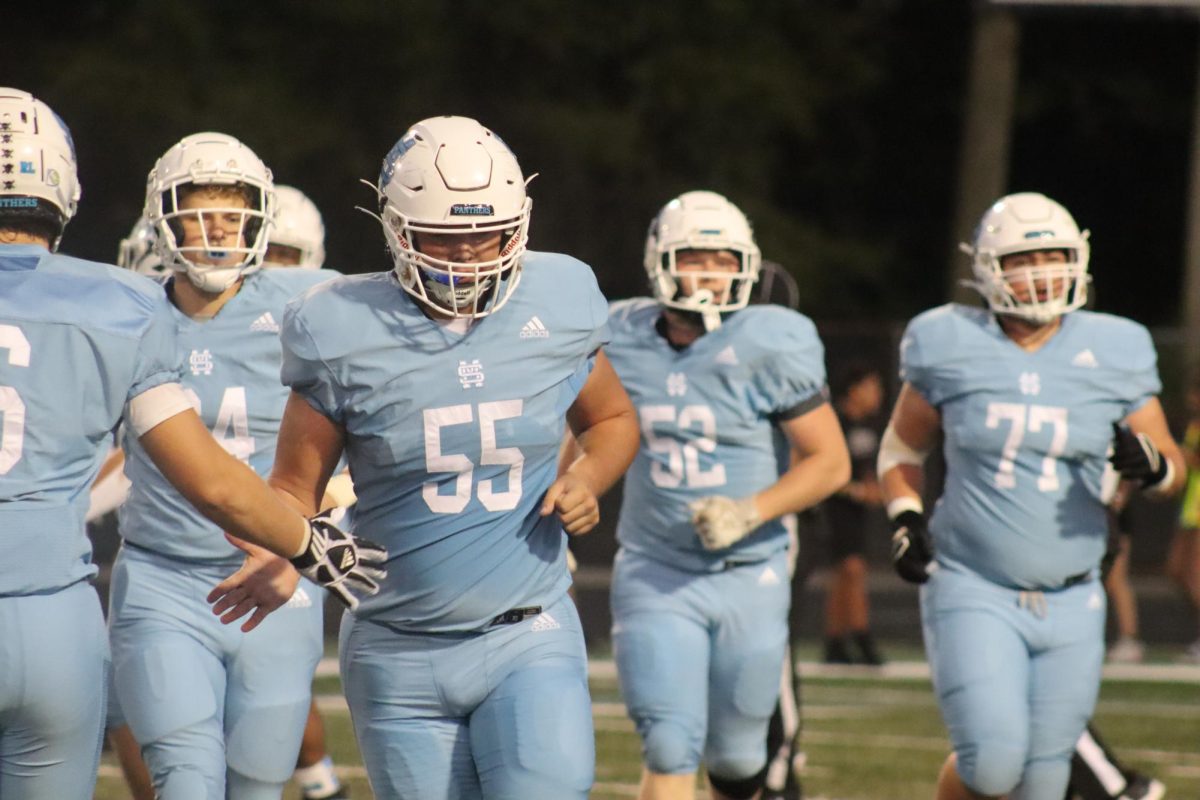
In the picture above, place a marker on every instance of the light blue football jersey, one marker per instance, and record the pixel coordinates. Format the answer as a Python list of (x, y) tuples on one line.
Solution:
[(1026, 436), (78, 340), (707, 418), (231, 374), (452, 439)]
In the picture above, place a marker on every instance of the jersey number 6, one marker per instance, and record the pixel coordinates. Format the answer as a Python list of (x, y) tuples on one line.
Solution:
[(12, 434)]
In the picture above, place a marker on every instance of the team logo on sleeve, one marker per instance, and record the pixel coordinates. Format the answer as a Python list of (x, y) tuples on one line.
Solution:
[(470, 374)]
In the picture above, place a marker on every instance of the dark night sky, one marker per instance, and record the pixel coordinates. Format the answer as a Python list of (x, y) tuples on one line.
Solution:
[(835, 126)]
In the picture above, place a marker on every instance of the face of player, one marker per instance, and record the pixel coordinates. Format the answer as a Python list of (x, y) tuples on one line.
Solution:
[(1023, 273), (214, 224), (460, 248), (282, 255), (712, 262), (867, 394)]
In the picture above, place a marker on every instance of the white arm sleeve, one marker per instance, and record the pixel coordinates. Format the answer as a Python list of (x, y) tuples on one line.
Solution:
[(893, 451), (155, 405)]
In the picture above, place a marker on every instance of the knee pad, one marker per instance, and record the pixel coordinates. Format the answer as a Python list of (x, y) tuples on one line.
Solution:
[(185, 784), (668, 748), (263, 741), (148, 681), (244, 787), (991, 768), (739, 788)]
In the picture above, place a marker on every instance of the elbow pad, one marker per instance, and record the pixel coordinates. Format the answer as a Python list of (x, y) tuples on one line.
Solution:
[(893, 452)]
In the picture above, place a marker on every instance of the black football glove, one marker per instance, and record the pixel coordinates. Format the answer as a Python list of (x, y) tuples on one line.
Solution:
[(1136, 457), (340, 561), (912, 548)]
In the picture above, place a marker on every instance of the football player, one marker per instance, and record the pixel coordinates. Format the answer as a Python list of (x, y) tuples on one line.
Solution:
[(84, 346), (447, 383), (298, 235), (1029, 393), (298, 240), (217, 712), (701, 591)]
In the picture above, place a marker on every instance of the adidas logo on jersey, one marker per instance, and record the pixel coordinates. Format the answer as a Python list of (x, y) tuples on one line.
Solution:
[(768, 578), (726, 356), (299, 599), (1085, 358), (534, 329), (544, 622), (265, 323)]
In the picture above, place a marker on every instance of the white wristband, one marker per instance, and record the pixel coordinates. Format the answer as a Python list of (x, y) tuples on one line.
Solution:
[(903, 503), (304, 541)]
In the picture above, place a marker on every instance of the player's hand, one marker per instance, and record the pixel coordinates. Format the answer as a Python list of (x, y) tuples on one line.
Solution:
[(721, 521), (340, 561), (1136, 458), (262, 584), (912, 547), (575, 502)]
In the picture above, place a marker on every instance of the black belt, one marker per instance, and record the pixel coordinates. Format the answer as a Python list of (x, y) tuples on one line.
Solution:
[(1074, 580), (515, 615)]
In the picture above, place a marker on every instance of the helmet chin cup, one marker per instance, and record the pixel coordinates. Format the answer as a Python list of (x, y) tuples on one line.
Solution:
[(706, 306)]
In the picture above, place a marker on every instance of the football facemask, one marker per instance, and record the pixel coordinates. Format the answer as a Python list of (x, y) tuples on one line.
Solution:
[(1024, 223), (700, 221), (219, 241), (451, 175)]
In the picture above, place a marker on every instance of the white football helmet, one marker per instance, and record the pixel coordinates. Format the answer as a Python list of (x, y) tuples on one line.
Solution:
[(136, 251), (298, 224), (701, 221), (37, 158), (210, 159), (1020, 223), (452, 175)]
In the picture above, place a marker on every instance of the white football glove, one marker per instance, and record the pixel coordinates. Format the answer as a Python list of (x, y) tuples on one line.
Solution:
[(721, 521), (339, 561)]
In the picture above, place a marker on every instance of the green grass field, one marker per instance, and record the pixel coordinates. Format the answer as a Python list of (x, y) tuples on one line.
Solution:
[(868, 734)]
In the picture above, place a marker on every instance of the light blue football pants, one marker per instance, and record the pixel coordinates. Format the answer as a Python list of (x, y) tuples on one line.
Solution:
[(1016, 676), (699, 657), (502, 714), (210, 705), (53, 678)]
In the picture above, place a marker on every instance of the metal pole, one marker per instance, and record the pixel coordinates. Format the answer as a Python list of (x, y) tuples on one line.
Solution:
[(1191, 252), (987, 129)]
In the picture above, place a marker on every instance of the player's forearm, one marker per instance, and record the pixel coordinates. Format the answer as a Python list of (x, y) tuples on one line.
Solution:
[(223, 489), (904, 480), (242, 504), (809, 481), (604, 451)]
